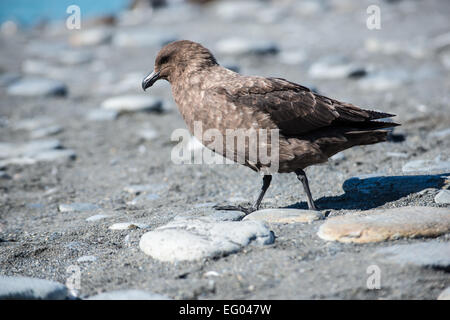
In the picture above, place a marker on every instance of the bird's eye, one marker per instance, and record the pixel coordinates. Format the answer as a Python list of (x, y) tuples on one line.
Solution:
[(164, 60)]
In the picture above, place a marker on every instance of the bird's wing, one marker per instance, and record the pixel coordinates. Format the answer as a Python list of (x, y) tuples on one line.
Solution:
[(296, 109)]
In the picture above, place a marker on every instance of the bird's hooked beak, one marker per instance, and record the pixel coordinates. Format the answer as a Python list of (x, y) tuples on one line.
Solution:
[(150, 80)]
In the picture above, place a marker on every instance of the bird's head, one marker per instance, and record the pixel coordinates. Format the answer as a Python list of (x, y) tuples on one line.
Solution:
[(178, 58)]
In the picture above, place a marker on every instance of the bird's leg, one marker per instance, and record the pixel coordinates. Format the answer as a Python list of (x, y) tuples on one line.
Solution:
[(301, 175), (266, 183)]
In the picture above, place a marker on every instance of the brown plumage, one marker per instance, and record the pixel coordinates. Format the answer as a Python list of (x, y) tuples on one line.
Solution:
[(311, 127)]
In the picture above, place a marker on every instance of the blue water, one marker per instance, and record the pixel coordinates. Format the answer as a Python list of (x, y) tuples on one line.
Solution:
[(30, 12)]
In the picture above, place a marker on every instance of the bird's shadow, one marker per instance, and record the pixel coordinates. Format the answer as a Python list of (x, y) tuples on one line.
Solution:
[(371, 192)]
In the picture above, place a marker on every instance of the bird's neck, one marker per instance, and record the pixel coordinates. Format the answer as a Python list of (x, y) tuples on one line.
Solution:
[(189, 91)]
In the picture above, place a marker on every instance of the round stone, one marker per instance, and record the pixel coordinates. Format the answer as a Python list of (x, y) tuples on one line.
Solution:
[(386, 224)]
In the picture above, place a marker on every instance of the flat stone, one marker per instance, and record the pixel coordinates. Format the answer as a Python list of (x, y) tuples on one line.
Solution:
[(334, 67), (386, 224), (102, 115), (285, 215), (83, 259), (132, 103), (97, 217), (77, 207), (444, 295), (55, 155), (427, 166), (128, 295), (443, 197), (128, 226), (242, 46), (34, 87), (186, 239), (28, 149), (427, 254), (91, 37), (382, 81), (142, 38), (31, 288)]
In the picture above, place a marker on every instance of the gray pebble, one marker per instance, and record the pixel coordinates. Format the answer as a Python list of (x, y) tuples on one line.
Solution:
[(34, 87), (427, 254), (102, 115), (242, 46), (443, 197), (426, 166), (87, 259), (132, 103), (97, 217), (77, 207), (31, 288), (142, 38)]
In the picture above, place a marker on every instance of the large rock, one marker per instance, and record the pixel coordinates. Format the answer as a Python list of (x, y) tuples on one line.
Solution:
[(31, 288), (193, 239), (285, 215), (386, 224), (132, 103), (128, 295), (35, 87)]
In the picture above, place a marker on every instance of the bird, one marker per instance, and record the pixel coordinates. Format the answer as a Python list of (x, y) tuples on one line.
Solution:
[(311, 127)]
